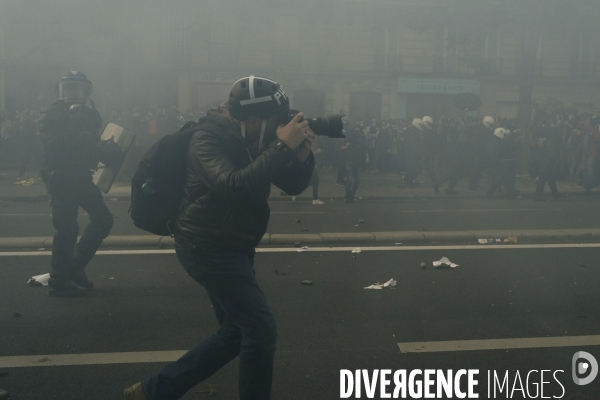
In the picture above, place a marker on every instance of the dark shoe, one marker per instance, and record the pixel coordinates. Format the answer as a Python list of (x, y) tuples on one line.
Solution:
[(135, 392), (557, 196), (60, 287), (349, 200), (79, 278), (451, 191)]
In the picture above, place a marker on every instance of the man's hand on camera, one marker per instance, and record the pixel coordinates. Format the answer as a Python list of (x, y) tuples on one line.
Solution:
[(294, 133), (303, 151)]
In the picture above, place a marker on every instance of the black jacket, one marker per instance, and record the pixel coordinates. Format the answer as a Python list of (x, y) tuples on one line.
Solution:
[(70, 140), (228, 184)]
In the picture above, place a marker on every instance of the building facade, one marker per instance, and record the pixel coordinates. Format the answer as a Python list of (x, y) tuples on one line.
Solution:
[(368, 59)]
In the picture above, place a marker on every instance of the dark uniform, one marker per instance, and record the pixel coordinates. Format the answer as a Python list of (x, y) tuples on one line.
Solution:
[(414, 149), (502, 165), (548, 139), (70, 137)]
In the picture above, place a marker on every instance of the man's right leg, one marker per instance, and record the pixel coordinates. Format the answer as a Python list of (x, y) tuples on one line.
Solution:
[(355, 173), (349, 183)]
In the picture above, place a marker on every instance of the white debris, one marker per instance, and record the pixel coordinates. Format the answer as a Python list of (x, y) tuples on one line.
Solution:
[(39, 280), (356, 250), (511, 239), (389, 285), (301, 249), (484, 241), (444, 262)]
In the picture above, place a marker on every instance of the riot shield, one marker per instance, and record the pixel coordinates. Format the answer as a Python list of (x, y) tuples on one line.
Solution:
[(113, 149)]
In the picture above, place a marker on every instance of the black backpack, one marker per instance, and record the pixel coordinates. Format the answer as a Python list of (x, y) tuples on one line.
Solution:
[(157, 187)]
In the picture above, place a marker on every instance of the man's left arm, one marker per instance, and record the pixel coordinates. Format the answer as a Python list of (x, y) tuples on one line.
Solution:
[(295, 176)]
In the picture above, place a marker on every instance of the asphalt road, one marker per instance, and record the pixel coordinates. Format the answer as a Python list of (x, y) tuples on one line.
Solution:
[(446, 214), (147, 303)]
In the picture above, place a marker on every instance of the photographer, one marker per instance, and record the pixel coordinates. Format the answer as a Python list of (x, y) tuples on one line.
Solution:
[(230, 168)]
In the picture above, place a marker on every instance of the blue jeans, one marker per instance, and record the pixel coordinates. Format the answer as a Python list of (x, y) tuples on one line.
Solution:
[(247, 329)]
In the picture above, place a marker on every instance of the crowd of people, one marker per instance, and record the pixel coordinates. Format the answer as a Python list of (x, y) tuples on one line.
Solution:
[(451, 149), (447, 149)]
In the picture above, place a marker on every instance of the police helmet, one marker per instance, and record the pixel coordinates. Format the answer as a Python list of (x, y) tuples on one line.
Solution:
[(428, 122), (489, 122), (73, 87), (257, 97), (501, 132), (418, 123)]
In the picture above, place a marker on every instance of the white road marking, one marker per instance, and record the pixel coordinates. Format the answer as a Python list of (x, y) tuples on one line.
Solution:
[(499, 344), (297, 212), (480, 210), (54, 360), (333, 249), (29, 215)]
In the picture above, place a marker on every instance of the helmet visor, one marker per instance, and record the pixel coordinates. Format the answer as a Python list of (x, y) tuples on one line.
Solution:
[(72, 90)]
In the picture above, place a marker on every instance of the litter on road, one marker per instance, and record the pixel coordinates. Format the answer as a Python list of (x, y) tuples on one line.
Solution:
[(39, 280), (511, 239), (281, 273), (444, 262), (484, 241), (26, 182), (356, 250), (307, 282), (301, 249), (388, 285)]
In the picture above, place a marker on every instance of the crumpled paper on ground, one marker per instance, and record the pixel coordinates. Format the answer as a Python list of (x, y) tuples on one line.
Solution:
[(484, 241), (389, 284), (301, 249), (357, 250), (444, 262), (511, 239), (26, 182), (39, 280)]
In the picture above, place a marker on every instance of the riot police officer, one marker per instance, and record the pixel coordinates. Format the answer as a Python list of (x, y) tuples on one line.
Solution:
[(503, 163), (480, 140), (414, 156), (69, 129), (547, 141)]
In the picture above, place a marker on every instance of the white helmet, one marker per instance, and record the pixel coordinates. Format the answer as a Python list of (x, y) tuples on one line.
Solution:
[(428, 122), (501, 132), (489, 122), (418, 123)]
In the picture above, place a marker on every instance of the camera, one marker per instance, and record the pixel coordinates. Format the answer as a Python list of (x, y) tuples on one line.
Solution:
[(330, 126)]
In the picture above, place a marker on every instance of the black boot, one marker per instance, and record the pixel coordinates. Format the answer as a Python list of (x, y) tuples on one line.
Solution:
[(63, 287), (79, 278)]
